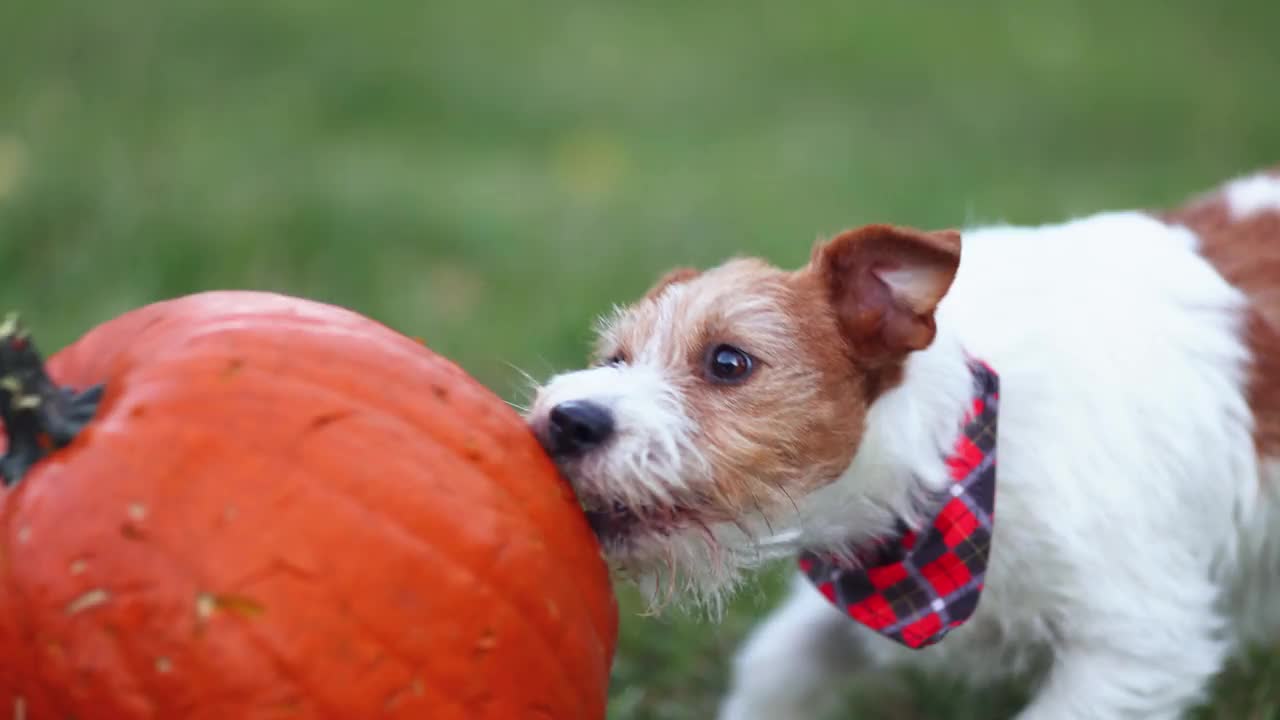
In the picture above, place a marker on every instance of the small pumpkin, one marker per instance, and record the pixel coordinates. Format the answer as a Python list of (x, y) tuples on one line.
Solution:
[(240, 505)]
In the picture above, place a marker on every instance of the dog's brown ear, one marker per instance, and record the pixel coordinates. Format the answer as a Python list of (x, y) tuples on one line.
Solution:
[(884, 283), (678, 275)]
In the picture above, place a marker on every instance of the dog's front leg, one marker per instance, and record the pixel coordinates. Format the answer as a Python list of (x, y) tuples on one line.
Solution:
[(792, 663), (1160, 679)]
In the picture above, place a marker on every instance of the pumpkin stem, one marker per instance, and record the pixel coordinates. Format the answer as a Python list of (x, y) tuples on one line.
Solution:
[(38, 416)]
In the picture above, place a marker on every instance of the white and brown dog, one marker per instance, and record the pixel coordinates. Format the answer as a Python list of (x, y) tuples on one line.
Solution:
[(1127, 541)]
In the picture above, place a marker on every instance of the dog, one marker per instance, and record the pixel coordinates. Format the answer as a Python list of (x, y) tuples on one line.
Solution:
[(1044, 451)]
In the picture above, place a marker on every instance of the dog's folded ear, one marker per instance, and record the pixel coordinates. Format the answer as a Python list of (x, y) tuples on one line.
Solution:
[(674, 277), (884, 283)]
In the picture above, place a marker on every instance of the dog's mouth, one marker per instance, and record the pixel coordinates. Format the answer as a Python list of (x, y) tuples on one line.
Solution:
[(614, 523)]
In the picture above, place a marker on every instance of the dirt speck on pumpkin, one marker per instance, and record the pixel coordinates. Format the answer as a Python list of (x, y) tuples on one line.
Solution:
[(56, 651), (205, 606), (486, 642), (440, 392), (24, 535), (233, 368), (291, 706), (325, 419), (541, 712), (209, 603), (416, 689), (471, 450), (137, 512), (78, 566), (89, 600), (131, 532), (164, 665)]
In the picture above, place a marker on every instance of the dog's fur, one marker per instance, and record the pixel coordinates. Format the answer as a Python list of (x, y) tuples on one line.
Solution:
[(1137, 540)]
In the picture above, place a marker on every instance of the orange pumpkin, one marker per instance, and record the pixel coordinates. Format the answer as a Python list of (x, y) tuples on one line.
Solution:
[(281, 509)]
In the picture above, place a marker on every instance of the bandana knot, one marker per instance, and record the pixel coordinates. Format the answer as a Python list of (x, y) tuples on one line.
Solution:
[(916, 586)]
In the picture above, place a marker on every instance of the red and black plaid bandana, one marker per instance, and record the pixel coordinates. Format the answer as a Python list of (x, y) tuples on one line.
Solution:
[(917, 586)]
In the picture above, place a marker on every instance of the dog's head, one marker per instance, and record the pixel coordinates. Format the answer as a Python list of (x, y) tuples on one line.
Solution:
[(720, 400)]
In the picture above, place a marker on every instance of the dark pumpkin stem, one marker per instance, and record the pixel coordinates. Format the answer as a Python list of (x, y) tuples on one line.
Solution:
[(39, 417)]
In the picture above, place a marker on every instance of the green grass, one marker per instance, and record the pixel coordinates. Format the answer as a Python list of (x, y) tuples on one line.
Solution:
[(490, 175)]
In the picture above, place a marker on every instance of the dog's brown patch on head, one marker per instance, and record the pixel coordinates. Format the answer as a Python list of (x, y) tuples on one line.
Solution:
[(673, 277), (1245, 249), (796, 423), (826, 341), (793, 424)]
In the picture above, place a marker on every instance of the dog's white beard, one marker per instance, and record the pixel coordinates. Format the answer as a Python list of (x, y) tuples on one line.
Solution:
[(698, 569), (657, 460)]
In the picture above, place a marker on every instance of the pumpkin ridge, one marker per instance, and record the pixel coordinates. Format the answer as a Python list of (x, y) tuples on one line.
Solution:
[(158, 552), (413, 540), (391, 419), (414, 668), (508, 595), (245, 630), (283, 669), (401, 415), (397, 529), (141, 679), (181, 569)]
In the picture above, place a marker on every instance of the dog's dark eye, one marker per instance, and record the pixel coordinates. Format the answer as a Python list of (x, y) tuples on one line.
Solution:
[(614, 361), (728, 364)]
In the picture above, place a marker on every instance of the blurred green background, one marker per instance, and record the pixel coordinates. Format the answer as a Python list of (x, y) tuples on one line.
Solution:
[(491, 175)]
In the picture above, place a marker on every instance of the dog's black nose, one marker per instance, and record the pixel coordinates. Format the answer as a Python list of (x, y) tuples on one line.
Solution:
[(577, 426)]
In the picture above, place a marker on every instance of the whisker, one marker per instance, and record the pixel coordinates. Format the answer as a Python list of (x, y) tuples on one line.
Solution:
[(715, 549), (651, 609), (794, 506), (550, 367), (673, 574), (528, 377), (743, 527), (755, 500)]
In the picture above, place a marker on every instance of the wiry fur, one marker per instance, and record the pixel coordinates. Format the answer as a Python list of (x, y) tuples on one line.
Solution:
[(1137, 536)]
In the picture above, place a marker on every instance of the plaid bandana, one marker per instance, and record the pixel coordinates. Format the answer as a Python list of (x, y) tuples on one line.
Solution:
[(916, 587)]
